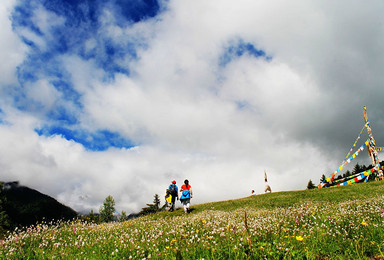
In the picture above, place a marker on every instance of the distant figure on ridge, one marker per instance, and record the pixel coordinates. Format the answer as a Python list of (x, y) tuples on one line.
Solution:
[(267, 187), (253, 193), (186, 195), (174, 191)]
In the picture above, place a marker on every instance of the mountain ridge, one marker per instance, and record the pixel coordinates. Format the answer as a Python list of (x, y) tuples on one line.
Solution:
[(26, 206)]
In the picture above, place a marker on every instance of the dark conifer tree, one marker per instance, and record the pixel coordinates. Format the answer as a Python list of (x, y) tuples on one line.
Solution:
[(106, 211)]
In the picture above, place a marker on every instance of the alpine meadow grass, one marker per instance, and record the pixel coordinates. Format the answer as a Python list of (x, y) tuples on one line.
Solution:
[(333, 223)]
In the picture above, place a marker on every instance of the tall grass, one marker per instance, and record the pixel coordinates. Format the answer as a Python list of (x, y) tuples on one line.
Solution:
[(334, 223)]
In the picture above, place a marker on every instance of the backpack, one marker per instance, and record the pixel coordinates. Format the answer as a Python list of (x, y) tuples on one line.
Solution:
[(186, 194), (172, 189)]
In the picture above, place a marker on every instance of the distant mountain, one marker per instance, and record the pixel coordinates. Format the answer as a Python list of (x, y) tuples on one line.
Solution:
[(26, 206)]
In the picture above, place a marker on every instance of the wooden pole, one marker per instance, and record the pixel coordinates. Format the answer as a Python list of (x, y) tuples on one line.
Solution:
[(372, 152)]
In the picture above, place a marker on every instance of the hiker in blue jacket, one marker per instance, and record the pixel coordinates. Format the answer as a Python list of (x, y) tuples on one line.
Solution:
[(174, 191), (186, 195)]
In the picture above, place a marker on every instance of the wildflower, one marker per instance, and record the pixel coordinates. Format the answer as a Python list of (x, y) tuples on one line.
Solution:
[(363, 223), (299, 238), (234, 229)]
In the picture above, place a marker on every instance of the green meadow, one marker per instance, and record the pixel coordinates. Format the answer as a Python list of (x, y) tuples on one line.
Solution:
[(333, 223)]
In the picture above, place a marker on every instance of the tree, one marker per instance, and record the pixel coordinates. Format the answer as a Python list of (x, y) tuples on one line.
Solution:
[(123, 216), (93, 217), (356, 169), (152, 208), (156, 202), (4, 220), (106, 211), (310, 185), (347, 173)]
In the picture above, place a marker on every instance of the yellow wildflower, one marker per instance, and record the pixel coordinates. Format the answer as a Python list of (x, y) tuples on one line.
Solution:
[(299, 238)]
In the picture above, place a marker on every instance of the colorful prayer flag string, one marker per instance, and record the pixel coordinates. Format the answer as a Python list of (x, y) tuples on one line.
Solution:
[(360, 176), (353, 156), (354, 144)]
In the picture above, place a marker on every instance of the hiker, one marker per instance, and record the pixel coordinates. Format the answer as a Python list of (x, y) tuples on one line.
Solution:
[(267, 187), (186, 195), (168, 198), (174, 191), (253, 193)]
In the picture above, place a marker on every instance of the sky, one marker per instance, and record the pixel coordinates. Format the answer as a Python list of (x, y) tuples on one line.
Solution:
[(114, 97)]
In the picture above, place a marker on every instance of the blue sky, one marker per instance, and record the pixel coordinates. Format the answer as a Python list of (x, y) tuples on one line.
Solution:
[(118, 98), (78, 22)]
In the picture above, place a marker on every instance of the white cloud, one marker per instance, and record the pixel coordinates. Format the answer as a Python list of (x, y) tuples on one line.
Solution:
[(45, 20), (43, 93), (12, 50)]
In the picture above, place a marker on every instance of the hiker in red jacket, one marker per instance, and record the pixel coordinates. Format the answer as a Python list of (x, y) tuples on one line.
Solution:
[(186, 195)]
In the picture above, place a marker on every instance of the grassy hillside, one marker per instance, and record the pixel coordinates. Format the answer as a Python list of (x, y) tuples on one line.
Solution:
[(289, 198), (334, 223), (284, 199)]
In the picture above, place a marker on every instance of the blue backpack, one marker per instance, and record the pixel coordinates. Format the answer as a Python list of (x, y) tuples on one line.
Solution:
[(186, 194), (173, 190)]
